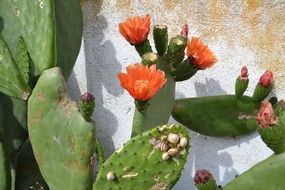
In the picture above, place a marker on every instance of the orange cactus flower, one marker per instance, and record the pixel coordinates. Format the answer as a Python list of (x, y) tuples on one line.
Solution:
[(142, 82), (136, 29), (200, 53)]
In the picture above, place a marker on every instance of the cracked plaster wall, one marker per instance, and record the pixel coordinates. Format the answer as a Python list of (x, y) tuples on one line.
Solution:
[(240, 33)]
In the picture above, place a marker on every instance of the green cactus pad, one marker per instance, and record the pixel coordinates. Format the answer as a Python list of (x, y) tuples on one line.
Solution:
[(261, 92), (28, 175), (5, 175), (149, 117), (160, 37), (69, 24), (266, 175), (11, 28), (217, 115), (37, 20), (11, 80), (139, 164), (62, 141)]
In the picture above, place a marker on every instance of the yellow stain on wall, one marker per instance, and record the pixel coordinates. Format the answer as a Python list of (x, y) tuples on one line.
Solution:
[(255, 24)]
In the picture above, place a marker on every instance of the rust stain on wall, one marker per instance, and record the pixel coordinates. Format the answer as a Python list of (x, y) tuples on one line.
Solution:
[(255, 24)]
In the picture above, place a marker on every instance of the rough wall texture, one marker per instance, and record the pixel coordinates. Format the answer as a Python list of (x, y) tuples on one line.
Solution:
[(240, 33)]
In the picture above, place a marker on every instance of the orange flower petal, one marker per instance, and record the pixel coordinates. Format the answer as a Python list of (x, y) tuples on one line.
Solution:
[(201, 54), (142, 82), (136, 29)]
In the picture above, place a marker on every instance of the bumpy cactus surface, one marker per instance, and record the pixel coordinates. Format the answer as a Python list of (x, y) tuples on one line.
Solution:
[(217, 115), (61, 138), (11, 80), (152, 160), (266, 175)]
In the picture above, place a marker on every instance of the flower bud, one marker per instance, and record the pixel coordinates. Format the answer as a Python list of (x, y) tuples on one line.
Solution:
[(204, 180), (264, 86), (266, 79), (185, 31), (241, 82), (87, 105)]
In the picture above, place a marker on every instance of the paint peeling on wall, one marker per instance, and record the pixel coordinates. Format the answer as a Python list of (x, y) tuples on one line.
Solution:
[(258, 25)]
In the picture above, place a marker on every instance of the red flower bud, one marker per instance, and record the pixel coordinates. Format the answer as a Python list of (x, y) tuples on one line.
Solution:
[(244, 73), (185, 31), (266, 116), (266, 79), (202, 177)]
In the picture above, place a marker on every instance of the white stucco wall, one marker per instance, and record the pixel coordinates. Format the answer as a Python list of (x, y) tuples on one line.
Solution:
[(239, 32)]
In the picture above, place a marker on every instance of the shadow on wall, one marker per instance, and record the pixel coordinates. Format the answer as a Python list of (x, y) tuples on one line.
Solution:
[(101, 71), (207, 152)]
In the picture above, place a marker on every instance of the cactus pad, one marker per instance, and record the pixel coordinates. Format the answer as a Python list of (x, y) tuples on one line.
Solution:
[(62, 140), (266, 175), (139, 164), (217, 115), (37, 20), (11, 80), (69, 24)]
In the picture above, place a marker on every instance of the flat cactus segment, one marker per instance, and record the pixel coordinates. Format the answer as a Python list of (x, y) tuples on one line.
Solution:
[(141, 163), (28, 175), (11, 27), (37, 21), (69, 25), (217, 115), (266, 175), (5, 175), (62, 141), (153, 115), (11, 80)]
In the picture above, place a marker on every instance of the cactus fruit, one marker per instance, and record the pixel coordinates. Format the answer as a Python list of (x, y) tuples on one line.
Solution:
[(204, 180), (62, 140), (160, 37), (217, 115), (266, 175), (139, 163), (11, 80)]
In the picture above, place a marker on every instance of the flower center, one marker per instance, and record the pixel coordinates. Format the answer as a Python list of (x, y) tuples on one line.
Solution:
[(141, 86)]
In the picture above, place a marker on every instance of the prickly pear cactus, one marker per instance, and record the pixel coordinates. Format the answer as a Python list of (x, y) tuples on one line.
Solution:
[(62, 141), (152, 160), (266, 175), (217, 115), (37, 21), (69, 24)]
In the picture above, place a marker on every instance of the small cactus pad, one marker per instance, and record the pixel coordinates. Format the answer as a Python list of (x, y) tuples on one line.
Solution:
[(140, 163), (37, 20), (217, 115), (69, 24), (62, 141), (266, 175), (11, 80)]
